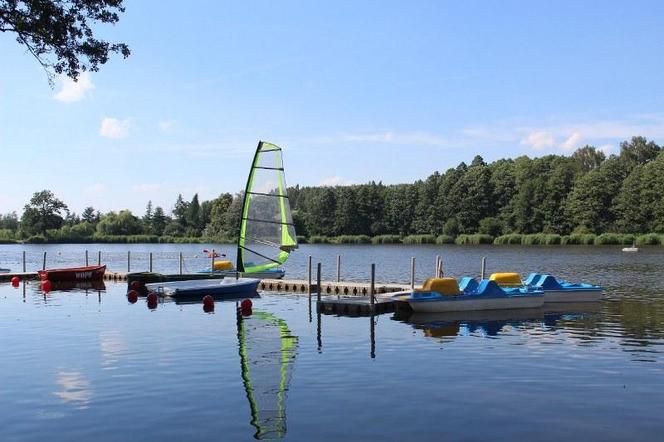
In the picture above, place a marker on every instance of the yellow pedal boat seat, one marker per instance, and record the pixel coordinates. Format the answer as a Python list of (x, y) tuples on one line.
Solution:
[(506, 279), (444, 286), (223, 265)]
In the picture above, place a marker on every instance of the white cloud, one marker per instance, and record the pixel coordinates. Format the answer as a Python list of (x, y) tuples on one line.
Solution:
[(74, 90), (146, 188), (166, 125), (95, 189), (332, 181), (608, 149), (538, 140), (572, 142), (389, 137), (114, 128)]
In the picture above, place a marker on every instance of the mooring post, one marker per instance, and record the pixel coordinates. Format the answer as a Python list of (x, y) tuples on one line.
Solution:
[(483, 269), (128, 261), (318, 284), (24, 261), (150, 262), (309, 284), (412, 272), (180, 263), (372, 286), (212, 263), (338, 268), (44, 264), (436, 268), (440, 268), (86, 258), (99, 258)]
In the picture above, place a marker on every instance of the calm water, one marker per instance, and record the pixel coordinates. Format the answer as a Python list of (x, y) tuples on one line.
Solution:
[(79, 365)]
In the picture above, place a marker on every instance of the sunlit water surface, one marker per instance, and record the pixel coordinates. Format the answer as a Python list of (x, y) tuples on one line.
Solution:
[(89, 365)]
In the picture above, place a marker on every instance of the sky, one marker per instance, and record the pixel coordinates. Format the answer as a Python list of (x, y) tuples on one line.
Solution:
[(356, 91)]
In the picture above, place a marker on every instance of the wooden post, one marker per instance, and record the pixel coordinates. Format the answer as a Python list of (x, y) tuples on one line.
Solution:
[(128, 261), (435, 274), (44, 265), (372, 286), (86, 258), (338, 268), (180, 263), (24, 261), (99, 258), (318, 284), (309, 285), (483, 269), (212, 264), (412, 272), (150, 262)]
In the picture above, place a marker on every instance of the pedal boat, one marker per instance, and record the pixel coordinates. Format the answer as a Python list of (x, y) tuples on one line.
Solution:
[(554, 290)]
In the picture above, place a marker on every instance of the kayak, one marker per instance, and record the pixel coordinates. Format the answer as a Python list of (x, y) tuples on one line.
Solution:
[(229, 288), (446, 295), (73, 273)]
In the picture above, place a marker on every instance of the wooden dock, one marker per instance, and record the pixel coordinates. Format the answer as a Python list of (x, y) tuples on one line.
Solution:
[(339, 298)]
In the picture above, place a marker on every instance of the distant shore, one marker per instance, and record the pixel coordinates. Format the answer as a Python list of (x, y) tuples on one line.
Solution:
[(549, 239)]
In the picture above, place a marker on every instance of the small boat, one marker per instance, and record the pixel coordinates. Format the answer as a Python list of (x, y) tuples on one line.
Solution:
[(73, 273), (446, 295), (563, 291), (227, 288), (554, 290), (267, 232), (264, 274), (632, 249)]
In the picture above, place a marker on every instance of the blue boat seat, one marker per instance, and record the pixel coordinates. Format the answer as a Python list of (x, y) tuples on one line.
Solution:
[(532, 279), (468, 284), (548, 282)]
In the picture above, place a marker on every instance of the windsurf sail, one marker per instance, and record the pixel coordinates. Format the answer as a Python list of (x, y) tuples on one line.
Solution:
[(267, 354), (267, 234)]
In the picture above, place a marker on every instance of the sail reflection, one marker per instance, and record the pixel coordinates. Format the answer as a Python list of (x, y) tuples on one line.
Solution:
[(267, 354)]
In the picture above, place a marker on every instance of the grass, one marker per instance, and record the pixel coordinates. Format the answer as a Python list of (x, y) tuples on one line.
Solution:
[(474, 239), (386, 239), (419, 239)]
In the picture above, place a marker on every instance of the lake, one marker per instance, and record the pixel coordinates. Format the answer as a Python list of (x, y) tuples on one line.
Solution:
[(88, 364)]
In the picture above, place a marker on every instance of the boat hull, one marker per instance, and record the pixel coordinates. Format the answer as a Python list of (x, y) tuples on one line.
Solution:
[(90, 273), (551, 296), (464, 304), (228, 288)]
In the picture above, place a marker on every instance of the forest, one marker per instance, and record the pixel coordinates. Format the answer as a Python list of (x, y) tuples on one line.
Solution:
[(583, 198)]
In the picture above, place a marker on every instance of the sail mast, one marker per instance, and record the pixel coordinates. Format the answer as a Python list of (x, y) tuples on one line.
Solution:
[(245, 208)]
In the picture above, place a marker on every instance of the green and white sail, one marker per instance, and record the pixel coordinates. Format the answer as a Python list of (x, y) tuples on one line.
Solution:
[(267, 354), (267, 234)]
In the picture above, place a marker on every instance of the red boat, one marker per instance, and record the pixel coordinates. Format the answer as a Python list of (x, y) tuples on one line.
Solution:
[(73, 274)]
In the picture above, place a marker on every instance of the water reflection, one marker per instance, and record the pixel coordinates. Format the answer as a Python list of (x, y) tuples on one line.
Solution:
[(267, 354), (75, 388)]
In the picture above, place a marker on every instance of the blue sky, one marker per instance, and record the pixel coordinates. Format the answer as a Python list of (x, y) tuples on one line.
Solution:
[(353, 91)]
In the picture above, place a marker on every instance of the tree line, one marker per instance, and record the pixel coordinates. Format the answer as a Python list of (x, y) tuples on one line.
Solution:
[(584, 193)]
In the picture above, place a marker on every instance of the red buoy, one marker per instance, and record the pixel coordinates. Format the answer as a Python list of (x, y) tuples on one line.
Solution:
[(15, 281), (246, 311), (46, 285), (135, 285), (208, 308), (246, 304), (152, 300), (132, 296), (208, 303)]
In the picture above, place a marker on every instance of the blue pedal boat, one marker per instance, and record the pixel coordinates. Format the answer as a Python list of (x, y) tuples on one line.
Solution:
[(562, 291), (439, 295)]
